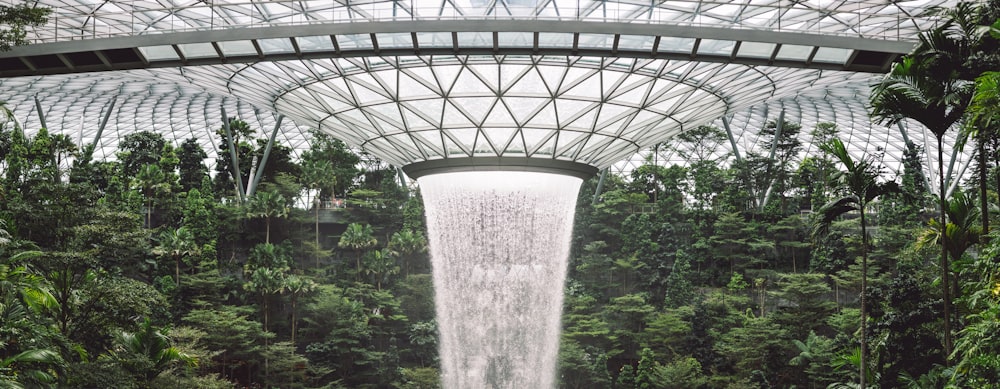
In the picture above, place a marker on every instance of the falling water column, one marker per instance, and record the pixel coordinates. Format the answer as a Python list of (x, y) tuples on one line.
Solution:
[(499, 245)]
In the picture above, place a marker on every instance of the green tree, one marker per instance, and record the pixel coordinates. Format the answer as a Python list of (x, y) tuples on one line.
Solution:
[(267, 205), (177, 245), (15, 20), (148, 351), (380, 265), (357, 237), (405, 245), (317, 175), (297, 287), (191, 165), (860, 186), (150, 181), (927, 87), (139, 149)]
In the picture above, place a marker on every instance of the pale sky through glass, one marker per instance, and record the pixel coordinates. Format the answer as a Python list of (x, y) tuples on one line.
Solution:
[(415, 80)]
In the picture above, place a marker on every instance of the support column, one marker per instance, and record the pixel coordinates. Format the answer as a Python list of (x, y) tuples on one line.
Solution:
[(732, 140), (235, 158), (104, 123), (255, 180), (600, 185), (774, 148), (954, 183), (402, 179), (906, 140), (41, 115)]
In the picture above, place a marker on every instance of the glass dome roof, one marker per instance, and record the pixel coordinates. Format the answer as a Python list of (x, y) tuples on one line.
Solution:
[(595, 82)]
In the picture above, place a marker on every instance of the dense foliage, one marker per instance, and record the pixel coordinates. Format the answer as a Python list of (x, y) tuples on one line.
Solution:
[(765, 271)]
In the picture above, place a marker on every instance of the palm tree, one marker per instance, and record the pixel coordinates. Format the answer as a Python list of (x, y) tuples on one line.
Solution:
[(380, 264), (404, 244), (267, 205), (177, 244), (317, 175), (962, 231), (357, 237), (152, 344), (912, 90), (297, 287), (150, 180), (13, 370), (266, 281), (860, 187)]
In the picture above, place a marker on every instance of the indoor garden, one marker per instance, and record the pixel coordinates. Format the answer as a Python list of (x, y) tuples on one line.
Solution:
[(806, 265)]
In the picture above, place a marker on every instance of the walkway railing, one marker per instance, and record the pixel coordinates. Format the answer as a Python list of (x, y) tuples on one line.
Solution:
[(67, 24)]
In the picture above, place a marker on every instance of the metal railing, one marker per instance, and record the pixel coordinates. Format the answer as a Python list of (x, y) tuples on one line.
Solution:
[(69, 24)]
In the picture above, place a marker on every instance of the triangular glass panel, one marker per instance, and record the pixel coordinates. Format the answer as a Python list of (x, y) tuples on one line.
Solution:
[(574, 76), (545, 148), (424, 76), (475, 107), (515, 146), (389, 112), (499, 117), (523, 108), (545, 118), (387, 79), (411, 89), (454, 118), (470, 85), (429, 109), (366, 96), (499, 136), (610, 81), (463, 136), (612, 112), (414, 121), (484, 147), (430, 139), (530, 84), (588, 87), (584, 122), (488, 73), (569, 139), (569, 109), (453, 148), (533, 137), (571, 151), (552, 75), (613, 128), (445, 75), (510, 74)]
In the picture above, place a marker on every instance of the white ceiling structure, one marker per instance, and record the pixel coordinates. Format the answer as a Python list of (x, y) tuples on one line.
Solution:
[(595, 82)]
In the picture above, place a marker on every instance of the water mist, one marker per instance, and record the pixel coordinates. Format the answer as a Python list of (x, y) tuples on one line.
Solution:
[(499, 244)]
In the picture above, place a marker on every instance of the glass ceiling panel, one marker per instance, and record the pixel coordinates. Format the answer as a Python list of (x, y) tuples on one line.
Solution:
[(159, 53), (74, 19), (315, 43), (198, 50), (237, 48), (434, 39), (467, 96)]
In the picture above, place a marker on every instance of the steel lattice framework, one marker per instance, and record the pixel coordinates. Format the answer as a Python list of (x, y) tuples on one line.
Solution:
[(595, 82)]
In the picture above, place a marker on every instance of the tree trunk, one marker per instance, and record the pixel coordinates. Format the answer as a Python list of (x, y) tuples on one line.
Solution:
[(177, 271), (983, 205), (864, 309), (317, 232), (267, 228), (945, 266), (267, 366), (358, 262), (294, 326)]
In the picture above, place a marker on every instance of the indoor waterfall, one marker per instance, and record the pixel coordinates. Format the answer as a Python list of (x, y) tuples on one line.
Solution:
[(499, 245)]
